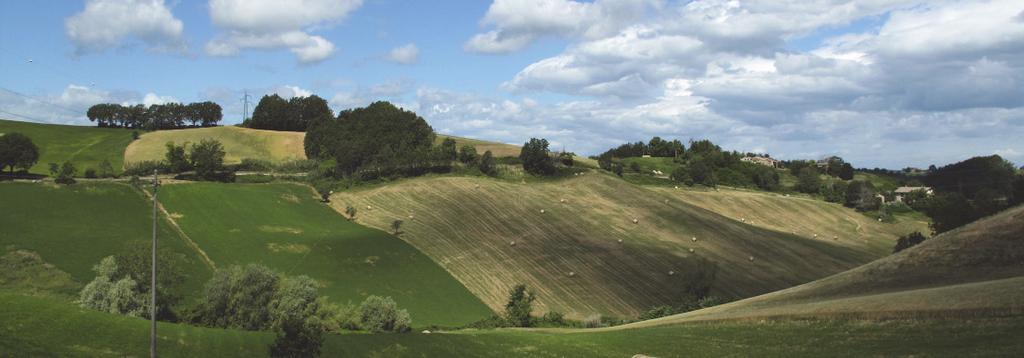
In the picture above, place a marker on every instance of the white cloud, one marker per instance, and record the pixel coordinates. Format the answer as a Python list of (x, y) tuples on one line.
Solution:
[(518, 22), (105, 24), (406, 54), (289, 91), (270, 24), (152, 98)]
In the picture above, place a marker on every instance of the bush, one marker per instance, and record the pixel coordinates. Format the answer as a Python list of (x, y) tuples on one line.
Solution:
[(487, 164), (175, 158), (63, 174), (107, 294), (381, 314), (908, 241), (90, 173), (145, 168), (106, 169), (254, 165), (467, 154), (207, 157), (808, 180)]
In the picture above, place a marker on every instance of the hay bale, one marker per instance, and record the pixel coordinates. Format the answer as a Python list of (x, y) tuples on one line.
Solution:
[(636, 221), (425, 332), (670, 273), (835, 237), (691, 250), (369, 207), (666, 201), (677, 187), (562, 201), (694, 239), (542, 211), (571, 274), (620, 241), (512, 243), (751, 259)]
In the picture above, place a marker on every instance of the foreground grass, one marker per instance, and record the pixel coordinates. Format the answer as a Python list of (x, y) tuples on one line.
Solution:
[(285, 227), (45, 326), (84, 146), (73, 227)]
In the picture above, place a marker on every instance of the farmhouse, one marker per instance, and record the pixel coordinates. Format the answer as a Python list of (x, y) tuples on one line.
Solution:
[(903, 191), (765, 161)]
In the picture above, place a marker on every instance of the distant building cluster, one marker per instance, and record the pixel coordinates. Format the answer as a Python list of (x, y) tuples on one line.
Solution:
[(765, 161)]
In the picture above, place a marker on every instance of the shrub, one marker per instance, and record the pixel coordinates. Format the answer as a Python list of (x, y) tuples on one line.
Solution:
[(90, 173), (107, 294), (908, 241), (254, 165), (145, 168), (634, 166), (63, 174), (106, 169), (175, 158), (381, 314), (467, 154), (207, 158), (487, 164)]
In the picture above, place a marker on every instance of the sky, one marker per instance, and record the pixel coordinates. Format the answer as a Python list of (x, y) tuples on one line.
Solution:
[(880, 83)]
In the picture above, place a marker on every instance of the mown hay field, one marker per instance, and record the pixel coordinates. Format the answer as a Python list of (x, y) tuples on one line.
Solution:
[(239, 143), (493, 234)]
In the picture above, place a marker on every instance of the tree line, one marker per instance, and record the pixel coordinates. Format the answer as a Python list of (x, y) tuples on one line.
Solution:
[(157, 116)]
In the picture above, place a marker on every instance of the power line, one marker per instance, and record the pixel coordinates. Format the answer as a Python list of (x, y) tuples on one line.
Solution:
[(38, 99)]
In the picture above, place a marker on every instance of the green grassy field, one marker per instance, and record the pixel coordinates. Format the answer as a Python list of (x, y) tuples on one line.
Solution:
[(468, 226), (86, 147), (239, 143), (44, 326), (285, 227), (73, 227)]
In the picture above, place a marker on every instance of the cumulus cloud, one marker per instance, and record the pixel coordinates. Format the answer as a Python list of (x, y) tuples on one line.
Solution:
[(406, 55), (105, 24), (269, 24), (517, 23), (871, 78)]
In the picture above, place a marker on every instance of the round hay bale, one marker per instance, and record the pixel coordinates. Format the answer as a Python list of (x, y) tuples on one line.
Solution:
[(425, 332), (815, 235), (410, 216), (369, 207), (562, 201), (666, 201), (571, 274), (620, 241), (636, 221), (542, 211), (751, 258), (835, 237), (512, 243), (670, 273), (691, 250), (676, 187), (694, 239)]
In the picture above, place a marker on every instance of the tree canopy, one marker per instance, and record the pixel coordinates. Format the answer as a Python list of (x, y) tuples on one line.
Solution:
[(157, 116), (17, 151), (296, 114), (536, 157)]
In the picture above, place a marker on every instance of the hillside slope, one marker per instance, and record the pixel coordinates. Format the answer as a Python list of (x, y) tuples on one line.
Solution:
[(84, 146), (975, 270), (570, 253), (285, 227), (239, 143)]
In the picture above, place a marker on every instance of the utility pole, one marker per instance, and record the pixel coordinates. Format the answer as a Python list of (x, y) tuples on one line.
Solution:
[(152, 287), (245, 105)]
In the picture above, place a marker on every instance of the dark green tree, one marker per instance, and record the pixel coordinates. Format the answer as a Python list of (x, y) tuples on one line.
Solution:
[(519, 306), (860, 195), (177, 161), (536, 157), (135, 260), (17, 151), (65, 174), (949, 211), (207, 158), (467, 154), (846, 172), (808, 181), (270, 113), (448, 150), (297, 338), (488, 165)]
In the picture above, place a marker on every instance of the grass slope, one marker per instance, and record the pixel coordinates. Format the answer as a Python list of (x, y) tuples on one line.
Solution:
[(86, 147), (974, 270), (497, 149), (28, 328), (73, 227), (239, 143), (468, 224), (285, 227)]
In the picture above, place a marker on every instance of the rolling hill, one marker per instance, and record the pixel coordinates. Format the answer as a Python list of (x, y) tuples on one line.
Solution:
[(976, 270), (86, 147), (561, 238), (285, 227), (239, 143)]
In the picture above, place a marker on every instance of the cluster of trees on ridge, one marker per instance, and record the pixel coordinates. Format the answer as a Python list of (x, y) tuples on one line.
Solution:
[(295, 114), (251, 297), (702, 163), (157, 116)]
